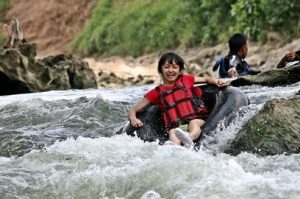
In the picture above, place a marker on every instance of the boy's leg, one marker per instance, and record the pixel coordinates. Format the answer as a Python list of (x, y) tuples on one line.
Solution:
[(184, 137), (195, 128), (173, 137)]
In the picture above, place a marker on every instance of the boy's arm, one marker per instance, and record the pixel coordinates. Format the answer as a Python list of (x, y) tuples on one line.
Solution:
[(135, 122), (211, 80), (232, 72)]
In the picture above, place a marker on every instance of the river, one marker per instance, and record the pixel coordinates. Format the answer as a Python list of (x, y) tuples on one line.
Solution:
[(63, 144)]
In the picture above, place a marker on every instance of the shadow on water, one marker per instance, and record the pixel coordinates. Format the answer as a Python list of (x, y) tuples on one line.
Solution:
[(37, 123)]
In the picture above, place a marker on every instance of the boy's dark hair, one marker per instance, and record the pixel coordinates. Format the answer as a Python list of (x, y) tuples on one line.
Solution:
[(236, 42), (170, 58)]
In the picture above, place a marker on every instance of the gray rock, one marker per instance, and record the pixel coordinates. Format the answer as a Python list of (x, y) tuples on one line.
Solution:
[(273, 130), (22, 73), (275, 77)]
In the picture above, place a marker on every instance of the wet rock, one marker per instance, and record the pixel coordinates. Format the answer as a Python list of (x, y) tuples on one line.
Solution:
[(275, 77), (275, 129)]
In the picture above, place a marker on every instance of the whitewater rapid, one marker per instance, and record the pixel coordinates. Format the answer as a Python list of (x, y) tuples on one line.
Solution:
[(63, 144)]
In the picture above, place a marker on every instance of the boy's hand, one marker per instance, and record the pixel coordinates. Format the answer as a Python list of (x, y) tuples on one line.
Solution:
[(221, 83), (232, 72), (136, 123)]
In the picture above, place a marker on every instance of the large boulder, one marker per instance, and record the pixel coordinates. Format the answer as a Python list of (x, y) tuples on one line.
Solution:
[(20, 72), (275, 129), (275, 77)]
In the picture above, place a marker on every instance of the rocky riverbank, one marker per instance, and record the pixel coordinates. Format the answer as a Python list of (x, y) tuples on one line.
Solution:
[(65, 19), (21, 72)]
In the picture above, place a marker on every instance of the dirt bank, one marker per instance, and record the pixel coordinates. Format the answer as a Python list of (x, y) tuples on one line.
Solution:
[(51, 23)]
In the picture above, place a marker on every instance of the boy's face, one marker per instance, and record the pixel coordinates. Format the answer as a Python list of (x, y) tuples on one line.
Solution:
[(170, 73), (244, 51)]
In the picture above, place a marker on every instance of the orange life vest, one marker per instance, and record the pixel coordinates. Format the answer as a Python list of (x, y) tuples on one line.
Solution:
[(179, 105)]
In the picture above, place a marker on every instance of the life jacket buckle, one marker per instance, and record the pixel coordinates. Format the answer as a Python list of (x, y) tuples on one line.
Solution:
[(197, 102), (172, 104)]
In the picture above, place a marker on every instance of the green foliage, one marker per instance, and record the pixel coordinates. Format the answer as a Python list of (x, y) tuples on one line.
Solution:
[(257, 17), (136, 27), (133, 28), (4, 6), (2, 39)]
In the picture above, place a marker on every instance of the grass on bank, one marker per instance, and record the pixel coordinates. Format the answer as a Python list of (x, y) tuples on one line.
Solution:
[(4, 7), (136, 27)]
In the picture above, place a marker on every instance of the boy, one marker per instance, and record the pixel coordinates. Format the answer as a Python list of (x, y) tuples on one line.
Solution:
[(234, 65), (175, 99)]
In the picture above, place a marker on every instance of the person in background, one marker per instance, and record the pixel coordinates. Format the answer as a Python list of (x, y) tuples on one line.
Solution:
[(175, 97), (289, 57), (233, 64)]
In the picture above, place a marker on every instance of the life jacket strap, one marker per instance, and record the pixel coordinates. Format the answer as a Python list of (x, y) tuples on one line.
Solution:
[(172, 105)]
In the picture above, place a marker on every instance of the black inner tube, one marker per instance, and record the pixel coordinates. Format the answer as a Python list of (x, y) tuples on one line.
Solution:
[(221, 102)]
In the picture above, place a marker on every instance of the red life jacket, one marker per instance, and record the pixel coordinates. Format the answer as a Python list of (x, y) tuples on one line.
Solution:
[(179, 105)]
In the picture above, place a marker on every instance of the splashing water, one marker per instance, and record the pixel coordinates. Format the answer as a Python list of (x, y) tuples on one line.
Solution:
[(62, 144)]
